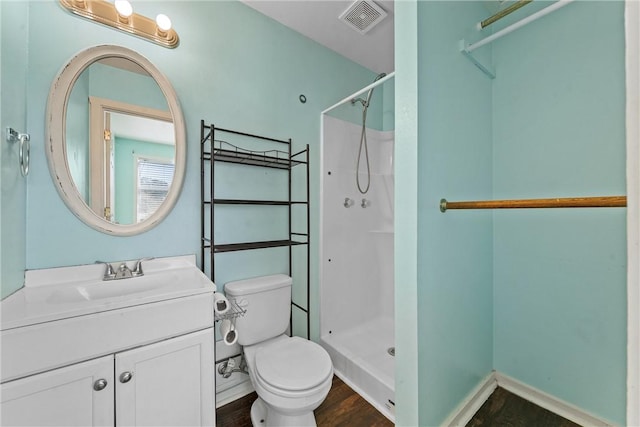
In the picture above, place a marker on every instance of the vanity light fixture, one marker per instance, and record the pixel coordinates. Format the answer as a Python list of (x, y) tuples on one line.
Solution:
[(124, 9), (120, 15), (164, 24)]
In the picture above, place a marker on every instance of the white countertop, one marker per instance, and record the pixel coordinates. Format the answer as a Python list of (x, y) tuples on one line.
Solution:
[(59, 293)]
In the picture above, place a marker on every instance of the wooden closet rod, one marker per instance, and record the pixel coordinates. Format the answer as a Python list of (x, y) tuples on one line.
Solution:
[(504, 12), (566, 202)]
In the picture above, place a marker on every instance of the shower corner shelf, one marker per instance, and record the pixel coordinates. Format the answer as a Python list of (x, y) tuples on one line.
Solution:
[(234, 311), (212, 151)]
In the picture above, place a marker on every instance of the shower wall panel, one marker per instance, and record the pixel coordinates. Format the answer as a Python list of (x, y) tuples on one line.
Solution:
[(357, 280)]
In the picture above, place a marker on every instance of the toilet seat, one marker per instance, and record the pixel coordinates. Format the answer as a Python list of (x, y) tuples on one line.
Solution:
[(293, 367)]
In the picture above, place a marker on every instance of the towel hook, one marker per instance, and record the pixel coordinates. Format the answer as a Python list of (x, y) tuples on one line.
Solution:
[(24, 149)]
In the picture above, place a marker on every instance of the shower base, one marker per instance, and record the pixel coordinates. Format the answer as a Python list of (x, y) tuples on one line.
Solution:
[(360, 359)]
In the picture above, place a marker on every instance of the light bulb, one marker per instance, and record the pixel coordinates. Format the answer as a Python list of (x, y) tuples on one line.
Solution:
[(124, 8), (163, 22)]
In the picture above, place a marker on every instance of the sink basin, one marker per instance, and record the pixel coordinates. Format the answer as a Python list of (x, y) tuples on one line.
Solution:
[(111, 289), (64, 292)]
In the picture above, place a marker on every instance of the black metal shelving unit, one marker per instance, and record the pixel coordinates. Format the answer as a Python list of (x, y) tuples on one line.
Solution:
[(213, 148)]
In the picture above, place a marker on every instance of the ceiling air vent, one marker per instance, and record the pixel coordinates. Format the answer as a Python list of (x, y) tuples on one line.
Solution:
[(363, 15)]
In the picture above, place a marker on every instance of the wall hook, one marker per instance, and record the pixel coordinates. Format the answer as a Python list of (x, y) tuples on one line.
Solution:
[(23, 150)]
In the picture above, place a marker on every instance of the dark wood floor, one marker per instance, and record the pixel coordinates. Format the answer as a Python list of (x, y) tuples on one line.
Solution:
[(505, 409), (343, 407)]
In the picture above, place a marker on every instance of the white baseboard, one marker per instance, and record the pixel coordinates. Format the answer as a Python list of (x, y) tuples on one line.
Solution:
[(233, 393), (388, 412), (549, 402), (474, 400)]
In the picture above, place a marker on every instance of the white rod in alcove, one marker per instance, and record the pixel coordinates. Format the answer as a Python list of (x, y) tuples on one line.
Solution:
[(533, 17), (361, 91)]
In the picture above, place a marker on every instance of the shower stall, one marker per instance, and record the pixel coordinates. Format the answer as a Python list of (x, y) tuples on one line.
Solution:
[(356, 247)]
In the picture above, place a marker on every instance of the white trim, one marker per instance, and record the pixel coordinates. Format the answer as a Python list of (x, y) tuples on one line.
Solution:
[(97, 109), (517, 25), (632, 34), (360, 92), (234, 393), (389, 413), (549, 402), (472, 403), (481, 393)]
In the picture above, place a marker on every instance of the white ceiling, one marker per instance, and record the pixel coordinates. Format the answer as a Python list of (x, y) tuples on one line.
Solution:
[(319, 20)]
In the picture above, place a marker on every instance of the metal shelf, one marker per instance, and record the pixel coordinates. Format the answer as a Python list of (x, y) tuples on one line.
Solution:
[(234, 311), (254, 202), (253, 159), (214, 150), (231, 247), (251, 202)]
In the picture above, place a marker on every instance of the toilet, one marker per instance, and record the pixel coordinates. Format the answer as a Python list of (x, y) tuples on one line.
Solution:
[(292, 376)]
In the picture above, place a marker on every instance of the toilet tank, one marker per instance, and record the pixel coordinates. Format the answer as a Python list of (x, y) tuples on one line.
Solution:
[(267, 301)]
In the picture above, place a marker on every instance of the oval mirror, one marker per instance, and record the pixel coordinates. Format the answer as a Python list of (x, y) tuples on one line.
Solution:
[(116, 143)]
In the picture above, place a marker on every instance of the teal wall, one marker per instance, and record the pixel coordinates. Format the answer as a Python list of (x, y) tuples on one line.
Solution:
[(234, 67), (405, 256), (455, 298), (538, 295), (388, 105), (14, 36), (560, 275), (124, 164), (125, 86), (77, 142)]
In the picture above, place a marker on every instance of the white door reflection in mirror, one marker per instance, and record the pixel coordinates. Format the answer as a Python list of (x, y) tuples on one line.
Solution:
[(120, 134)]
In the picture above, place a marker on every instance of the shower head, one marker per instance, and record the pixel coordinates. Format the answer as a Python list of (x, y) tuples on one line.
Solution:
[(365, 103), (360, 100), (378, 77)]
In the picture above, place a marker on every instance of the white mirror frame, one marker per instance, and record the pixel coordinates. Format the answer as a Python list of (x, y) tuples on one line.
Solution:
[(56, 125)]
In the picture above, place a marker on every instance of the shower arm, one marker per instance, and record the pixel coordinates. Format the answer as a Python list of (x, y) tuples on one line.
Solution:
[(361, 91)]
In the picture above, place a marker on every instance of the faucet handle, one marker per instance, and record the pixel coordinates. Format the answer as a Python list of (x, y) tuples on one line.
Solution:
[(137, 270), (109, 273)]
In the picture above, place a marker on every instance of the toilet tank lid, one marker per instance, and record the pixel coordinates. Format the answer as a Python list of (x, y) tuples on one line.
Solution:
[(257, 284)]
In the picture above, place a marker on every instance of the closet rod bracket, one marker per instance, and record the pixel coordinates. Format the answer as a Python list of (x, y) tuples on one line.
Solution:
[(464, 49), (443, 205)]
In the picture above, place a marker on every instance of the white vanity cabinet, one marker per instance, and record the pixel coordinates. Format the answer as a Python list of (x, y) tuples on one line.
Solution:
[(93, 353), (62, 397), (169, 383)]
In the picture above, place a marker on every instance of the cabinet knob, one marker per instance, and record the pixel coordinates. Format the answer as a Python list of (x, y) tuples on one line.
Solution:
[(100, 384), (125, 377)]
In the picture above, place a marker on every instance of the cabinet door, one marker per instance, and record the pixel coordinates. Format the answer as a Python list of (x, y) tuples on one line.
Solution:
[(169, 383), (70, 396)]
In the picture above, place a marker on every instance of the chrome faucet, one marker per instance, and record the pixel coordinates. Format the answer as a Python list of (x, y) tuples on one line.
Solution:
[(109, 274), (124, 272), (137, 270)]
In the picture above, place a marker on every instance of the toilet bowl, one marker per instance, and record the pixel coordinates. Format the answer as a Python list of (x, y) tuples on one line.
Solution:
[(292, 376)]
